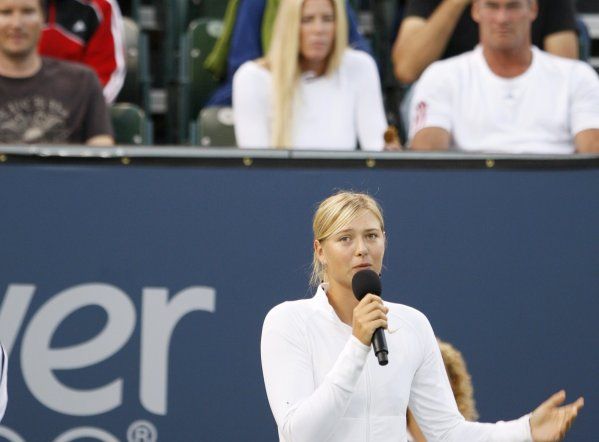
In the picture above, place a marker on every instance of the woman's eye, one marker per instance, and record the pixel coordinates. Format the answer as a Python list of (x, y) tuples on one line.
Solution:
[(372, 236)]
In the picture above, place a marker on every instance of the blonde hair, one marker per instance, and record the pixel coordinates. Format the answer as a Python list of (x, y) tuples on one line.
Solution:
[(283, 60), (460, 380), (332, 215)]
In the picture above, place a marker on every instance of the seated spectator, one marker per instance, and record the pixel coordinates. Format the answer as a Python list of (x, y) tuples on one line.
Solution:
[(88, 32), (250, 39), (3, 375), (43, 100), (310, 91), (439, 29), (506, 96), (461, 386)]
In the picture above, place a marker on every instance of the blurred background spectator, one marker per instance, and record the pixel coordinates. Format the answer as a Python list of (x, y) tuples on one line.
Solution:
[(439, 29), (311, 91), (88, 32), (43, 100), (506, 96), (178, 86), (251, 33)]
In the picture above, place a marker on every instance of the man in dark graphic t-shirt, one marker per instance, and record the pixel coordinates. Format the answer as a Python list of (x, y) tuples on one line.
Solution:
[(43, 100)]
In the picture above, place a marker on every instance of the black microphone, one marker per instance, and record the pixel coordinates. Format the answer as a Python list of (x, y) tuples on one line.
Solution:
[(364, 282)]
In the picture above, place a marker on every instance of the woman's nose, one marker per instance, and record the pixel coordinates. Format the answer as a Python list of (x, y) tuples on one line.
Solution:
[(361, 248), (318, 25)]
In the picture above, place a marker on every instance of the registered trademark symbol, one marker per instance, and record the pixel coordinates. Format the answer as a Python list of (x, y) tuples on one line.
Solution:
[(142, 431)]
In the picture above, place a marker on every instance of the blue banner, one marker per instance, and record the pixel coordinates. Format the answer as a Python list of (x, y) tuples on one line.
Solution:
[(132, 298)]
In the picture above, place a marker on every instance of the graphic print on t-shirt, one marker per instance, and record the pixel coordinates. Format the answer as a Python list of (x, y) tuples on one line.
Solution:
[(34, 119), (420, 116)]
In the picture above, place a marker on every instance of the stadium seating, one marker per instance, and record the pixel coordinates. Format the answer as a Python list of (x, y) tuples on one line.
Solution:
[(137, 82), (130, 8), (130, 124), (179, 15), (192, 9), (195, 83), (214, 128), (584, 41)]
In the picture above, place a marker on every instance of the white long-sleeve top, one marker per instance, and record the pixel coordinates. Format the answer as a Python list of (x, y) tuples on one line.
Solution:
[(323, 384), (330, 112), (3, 375)]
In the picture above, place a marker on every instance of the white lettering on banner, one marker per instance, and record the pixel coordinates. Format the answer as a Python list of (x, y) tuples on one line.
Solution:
[(159, 317), (14, 307), (10, 435), (38, 360), (81, 432), (155, 341), (142, 431), (138, 431)]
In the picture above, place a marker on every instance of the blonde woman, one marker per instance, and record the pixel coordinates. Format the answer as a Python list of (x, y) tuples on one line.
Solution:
[(324, 384), (310, 91)]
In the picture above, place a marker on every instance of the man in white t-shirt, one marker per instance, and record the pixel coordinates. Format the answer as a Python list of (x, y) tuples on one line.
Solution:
[(506, 96)]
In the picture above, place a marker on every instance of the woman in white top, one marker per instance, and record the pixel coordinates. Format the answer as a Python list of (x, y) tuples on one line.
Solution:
[(310, 91), (324, 384)]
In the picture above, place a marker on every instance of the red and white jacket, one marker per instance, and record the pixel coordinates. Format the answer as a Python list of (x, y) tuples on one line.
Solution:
[(89, 32)]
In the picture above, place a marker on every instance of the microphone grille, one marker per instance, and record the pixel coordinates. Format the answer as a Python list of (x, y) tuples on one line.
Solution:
[(364, 282)]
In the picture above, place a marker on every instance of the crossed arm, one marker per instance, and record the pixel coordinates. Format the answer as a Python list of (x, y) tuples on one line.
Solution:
[(587, 141), (100, 141), (435, 138), (421, 41)]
